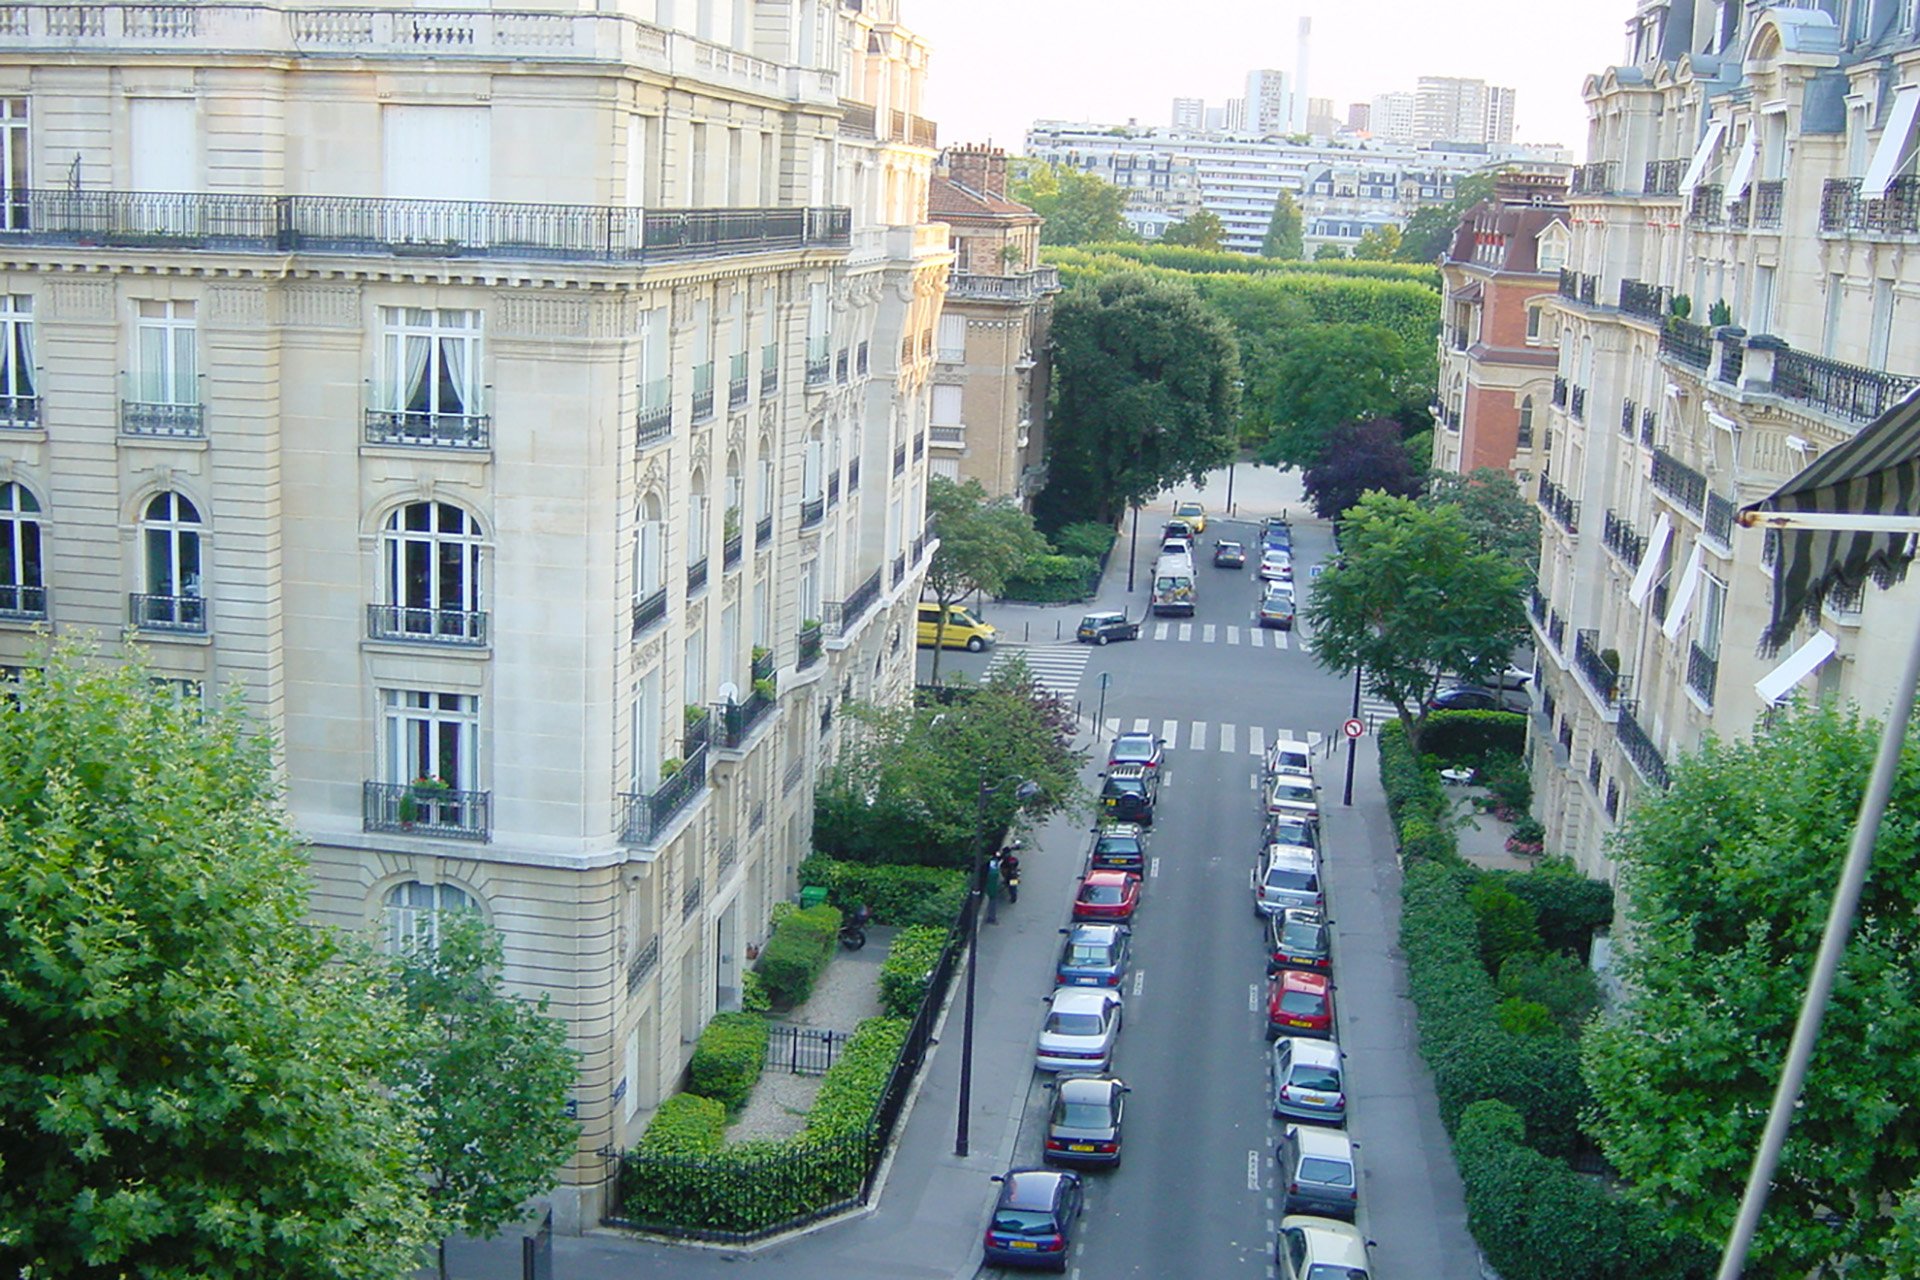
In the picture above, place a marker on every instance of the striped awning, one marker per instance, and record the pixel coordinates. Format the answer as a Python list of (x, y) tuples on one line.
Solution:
[(1861, 509)]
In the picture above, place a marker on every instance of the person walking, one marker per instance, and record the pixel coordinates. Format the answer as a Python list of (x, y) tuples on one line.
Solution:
[(995, 885)]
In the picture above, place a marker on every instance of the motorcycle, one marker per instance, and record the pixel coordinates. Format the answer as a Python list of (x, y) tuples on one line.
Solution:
[(1010, 871), (853, 930)]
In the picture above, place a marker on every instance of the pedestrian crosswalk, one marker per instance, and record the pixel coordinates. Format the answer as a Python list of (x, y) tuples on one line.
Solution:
[(1226, 737), (1214, 633), (1055, 668)]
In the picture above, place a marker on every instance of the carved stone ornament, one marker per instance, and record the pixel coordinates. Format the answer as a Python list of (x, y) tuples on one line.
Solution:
[(769, 415), (647, 656), (653, 477)]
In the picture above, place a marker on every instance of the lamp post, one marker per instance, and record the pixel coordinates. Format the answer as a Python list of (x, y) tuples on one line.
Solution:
[(1024, 791)]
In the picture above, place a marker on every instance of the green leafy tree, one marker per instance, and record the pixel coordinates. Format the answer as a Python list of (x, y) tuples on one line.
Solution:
[(1203, 230), (1378, 244), (982, 544), (1078, 207), (1145, 395), (1328, 375), (1330, 253), (1429, 232), (194, 1080), (1727, 878), (490, 1074), (1365, 457), (1411, 602), (1285, 236), (1498, 515)]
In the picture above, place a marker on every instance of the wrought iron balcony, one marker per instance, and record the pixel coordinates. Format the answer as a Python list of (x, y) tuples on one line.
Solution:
[(1639, 747), (1556, 630), (861, 361), (1577, 403), (413, 808), (842, 616), (23, 603), (812, 512), (762, 532), (853, 476), (819, 371), (1703, 671), (833, 489), (765, 665), (1626, 418), (1709, 205), (1769, 204), (1648, 301), (653, 420), (1590, 660), (1688, 343), (364, 226), (150, 612), (900, 458), (728, 857), (769, 368), (1589, 289), (737, 382), (1648, 420), (1559, 390), (919, 445), (732, 549), (1897, 213), (19, 413), (1593, 179), (1618, 536), (696, 575), (703, 391), (1679, 482), (1537, 606), (426, 625), (791, 776), (1835, 387), (1719, 519), (807, 643), (736, 720), (856, 119), (1733, 357), (643, 963), (691, 896), (842, 364), (650, 813), (899, 569), (649, 610), (1662, 177), (1569, 286), (1740, 212), (1564, 510), (429, 430), (166, 421)]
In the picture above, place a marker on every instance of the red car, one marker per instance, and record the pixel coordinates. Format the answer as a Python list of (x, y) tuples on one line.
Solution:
[(1299, 1004), (1107, 895)]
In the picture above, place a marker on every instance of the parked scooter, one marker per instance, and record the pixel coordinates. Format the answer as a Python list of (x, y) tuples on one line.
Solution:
[(853, 929), (1010, 869)]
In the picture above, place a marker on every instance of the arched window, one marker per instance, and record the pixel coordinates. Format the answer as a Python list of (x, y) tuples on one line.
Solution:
[(415, 912), (23, 593), (433, 574), (1525, 440), (698, 508), (170, 534), (649, 549), (763, 508)]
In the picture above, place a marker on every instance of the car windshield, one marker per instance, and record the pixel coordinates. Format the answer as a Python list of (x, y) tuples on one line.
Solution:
[(1099, 619), (1089, 953), (1029, 1222), (1302, 1002), (1083, 1115), (1297, 936), (1292, 878), (961, 618), (1067, 1023), (1125, 786), (1323, 1079), (1328, 1173), (1118, 846), (1170, 584), (1333, 1271), (1291, 831), (1131, 748), (1229, 546), (1103, 894), (1287, 791)]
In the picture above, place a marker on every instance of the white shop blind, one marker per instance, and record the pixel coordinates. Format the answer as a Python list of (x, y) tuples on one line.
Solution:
[(438, 153), (946, 406), (166, 144)]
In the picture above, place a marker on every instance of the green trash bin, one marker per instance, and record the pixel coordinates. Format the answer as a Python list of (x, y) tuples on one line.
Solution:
[(812, 895)]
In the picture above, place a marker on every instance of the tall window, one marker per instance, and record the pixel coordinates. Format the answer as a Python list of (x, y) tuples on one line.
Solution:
[(415, 911), (432, 364), (1525, 439), (18, 405), (170, 533), (433, 573), (166, 367), (14, 170), (432, 738), (649, 549), (22, 590), (1713, 608), (647, 726)]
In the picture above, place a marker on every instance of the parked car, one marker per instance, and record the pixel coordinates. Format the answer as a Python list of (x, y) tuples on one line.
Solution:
[(1317, 1171), (1309, 1080), (1178, 547), (1276, 565), (1110, 896), (1293, 793), (1142, 749), (1118, 846), (1098, 628), (1314, 1248), (1095, 955), (1082, 1024), (1276, 606), (1130, 793), (1288, 876), (1084, 1125), (1299, 1004), (963, 630), (1178, 528), (1193, 513), (1229, 555), (1298, 938), (1288, 755), (1475, 697), (1035, 1218), (1276, 532), (1292, 828)]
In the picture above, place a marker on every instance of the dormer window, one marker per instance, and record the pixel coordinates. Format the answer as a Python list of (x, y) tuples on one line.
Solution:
[(1552, 249)]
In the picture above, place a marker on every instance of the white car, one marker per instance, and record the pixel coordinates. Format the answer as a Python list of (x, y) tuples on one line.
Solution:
[(1289, 756), (1308, 1248), (1082, 1024), (1288, 876), (1293, 793), (1276, 565)]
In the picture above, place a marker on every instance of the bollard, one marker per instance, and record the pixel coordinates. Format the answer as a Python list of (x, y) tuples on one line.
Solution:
[(1026, 632), (1056, 630)]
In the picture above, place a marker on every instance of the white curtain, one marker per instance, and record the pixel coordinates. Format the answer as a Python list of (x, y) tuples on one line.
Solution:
[(20, 376), (410, 372), (453, 355)]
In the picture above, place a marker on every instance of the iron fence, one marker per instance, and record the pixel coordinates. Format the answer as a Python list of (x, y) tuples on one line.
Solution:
[(1680, 482), (649, 609), (803, 1051), (649, 812), (1688, 343), (1833, 386), (426, 625), (416, 809), (150, 612), (428, 430)]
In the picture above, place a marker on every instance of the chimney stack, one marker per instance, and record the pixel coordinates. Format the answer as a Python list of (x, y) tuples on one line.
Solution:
[(982, 168)]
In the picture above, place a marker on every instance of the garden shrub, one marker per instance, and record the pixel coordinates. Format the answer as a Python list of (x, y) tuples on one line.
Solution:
[(1087, 538), (1422, 818), (1568, 907), (895, 894), (753, 993), (1472, 739), (1507, 781), (1525, 1018), (1504, 923), (686, 1124), (799, 949), (1558, 982), (728, 1060), (1536, 1219), (852, 1087), (909, 965), (1052, 579)]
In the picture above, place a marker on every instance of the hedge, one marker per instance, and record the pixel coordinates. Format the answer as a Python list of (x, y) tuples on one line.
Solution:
[(851, 1089), (909, 964), (686, 1124), (1422, 817), (1536, 1219), (1473, 738), (1053, 579), (728, 1060), (1087, 538), (1568, 907), (895, 894), (1209, 262), (799, 949)]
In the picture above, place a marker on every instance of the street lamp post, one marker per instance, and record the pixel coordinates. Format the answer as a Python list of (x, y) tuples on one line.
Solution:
[(1024, 791)]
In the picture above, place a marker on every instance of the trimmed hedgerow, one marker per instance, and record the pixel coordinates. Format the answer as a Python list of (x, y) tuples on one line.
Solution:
[(1422, 818), (1474, 738), (852, 1087), (909, 967), (1052, 579), (895, 894), (1087, 538), (685, 1125), (1568, 907), (729, 1058), (799, 949)]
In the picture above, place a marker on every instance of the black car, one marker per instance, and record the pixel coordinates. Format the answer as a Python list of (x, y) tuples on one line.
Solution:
[(1035, 1218), (1129, 794), (1118, 846), (1474, 697), (1084, 1125), (1098, 628), (1229, 555)]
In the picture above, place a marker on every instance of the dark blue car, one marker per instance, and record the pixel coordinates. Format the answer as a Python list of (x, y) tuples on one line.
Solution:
[(1096, 955), (1034, 1220)]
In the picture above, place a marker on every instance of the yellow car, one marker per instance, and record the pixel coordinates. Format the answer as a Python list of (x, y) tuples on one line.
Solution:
[(963, 630), (1194, 514)]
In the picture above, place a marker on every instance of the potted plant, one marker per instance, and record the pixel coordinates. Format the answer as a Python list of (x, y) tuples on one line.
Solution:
[(1528, 839), (670, 767), (764, 688)]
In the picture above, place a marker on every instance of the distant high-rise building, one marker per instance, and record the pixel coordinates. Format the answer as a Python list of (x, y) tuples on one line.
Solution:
[(1233, 116), (1320, 118), (1189, 113), (1297, 116), (1359, 116), (1499, 114), (1392, 117), (1457, 110), (1269, 105)]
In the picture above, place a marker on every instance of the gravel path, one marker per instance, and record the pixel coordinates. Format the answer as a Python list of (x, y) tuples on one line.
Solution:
[(847, 992)]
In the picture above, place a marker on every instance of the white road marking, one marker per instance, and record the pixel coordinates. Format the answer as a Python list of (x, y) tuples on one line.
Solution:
[(1139, 980), (1253, 990), (1160, 630), (1141, 726), (1197, 735), (1153, 868), (1113, 726), (1233, 635), (1166, 777), (1227, 732), (1206, 633), (1256, 741), (1280, 640), (1170, 730), (1253, 780), (1257, 636), (1186, 631), (1253, 1170)]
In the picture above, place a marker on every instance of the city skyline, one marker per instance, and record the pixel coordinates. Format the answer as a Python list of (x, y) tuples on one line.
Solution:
[(984, 85)]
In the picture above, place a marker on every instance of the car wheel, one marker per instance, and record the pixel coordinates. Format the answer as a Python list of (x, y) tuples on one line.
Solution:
[(975, 644), (1100, 639)]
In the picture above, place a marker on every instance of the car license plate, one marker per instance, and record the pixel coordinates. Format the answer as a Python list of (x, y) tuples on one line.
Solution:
[(1079, 1146), (1298, 1022), (1314, 1099), (1025, 1244)]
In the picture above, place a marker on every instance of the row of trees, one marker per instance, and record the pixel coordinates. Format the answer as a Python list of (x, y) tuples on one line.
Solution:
[(195, 1081)]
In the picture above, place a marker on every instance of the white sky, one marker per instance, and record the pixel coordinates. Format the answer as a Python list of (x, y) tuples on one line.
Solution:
[(998, 65)]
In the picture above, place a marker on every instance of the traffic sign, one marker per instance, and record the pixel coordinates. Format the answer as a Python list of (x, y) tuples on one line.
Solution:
[(1354, 728)]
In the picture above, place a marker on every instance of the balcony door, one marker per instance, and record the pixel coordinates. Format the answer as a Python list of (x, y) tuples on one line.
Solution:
[(166, 166), (438, 164)]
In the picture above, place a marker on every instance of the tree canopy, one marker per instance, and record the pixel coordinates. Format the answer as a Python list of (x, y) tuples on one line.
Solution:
[(1329, 253), (1727, 878), (982, 544), (1144, 395), (1499, 516), (1203, 230), (1362, 458), (1429, 232), (1328, 375), (1378, 244), (1285, 230), (194, 1081), (1412, 602), (1079, 207)]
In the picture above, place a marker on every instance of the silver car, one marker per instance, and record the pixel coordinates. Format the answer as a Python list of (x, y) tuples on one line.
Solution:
[(1308, 1080), (1276, 606), (1288, 876), (1082, 1024), (1316, 1168)]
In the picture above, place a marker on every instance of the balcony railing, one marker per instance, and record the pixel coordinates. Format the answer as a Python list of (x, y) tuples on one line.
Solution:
[(149, 612), (1556, 630), (1648, 301), (1703, 671), (428, 430), (769, 368), (1897, 213), (1740, 212), (812, 512), (949, 435), (649, 610), (1593, 179), (1662, 177), (412, 808), (900, 458), (842, 364), (19, 413), (833, 489), (1679, 482), (643, 964), (1021, 286), (807, 645), (899, 569), (1590, 661), (919, 445), (853, 476), (1569, 286), (1639, 747), (1709, 205), (737, 720), (653, 419), (842, 616), (1577, 403), (1688, 343), (650, 813), (1626, 418), (426, 625), (168, 421), (370, 225), (1589, 289), (696, 575), (856, 119), (23, 603), (762, 533), (1559, 390), (1719, 520), (1618, 536), (1537, 606), (1648, 420), (1733, 356), (862, 361), (1769, 204), (819, 370), (764, 666), (1835, 387), (732, 549), (690, 897), (703, 391), (736, 380), (1564, 510)]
